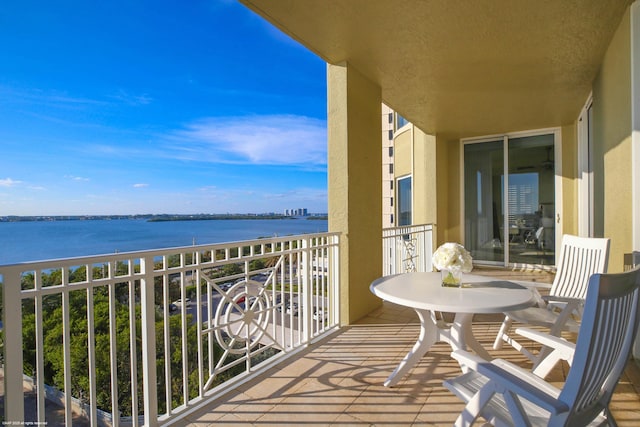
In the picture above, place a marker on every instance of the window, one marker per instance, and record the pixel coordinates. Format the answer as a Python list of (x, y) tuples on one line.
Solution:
[(390, 151), (400, 121), (391, 185), (390, 135), (404, 201), (522, 195), (391, 168), (390, 118)]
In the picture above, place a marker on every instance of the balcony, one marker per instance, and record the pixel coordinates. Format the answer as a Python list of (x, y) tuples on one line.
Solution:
[(273, 354), (339, 381)]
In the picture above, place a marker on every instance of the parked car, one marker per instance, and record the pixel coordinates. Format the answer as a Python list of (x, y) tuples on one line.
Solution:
[(319, 314), (292, 308), (178, 302)]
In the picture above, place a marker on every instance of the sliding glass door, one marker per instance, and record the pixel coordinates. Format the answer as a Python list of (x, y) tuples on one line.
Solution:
[(483, 170), (509, 199)]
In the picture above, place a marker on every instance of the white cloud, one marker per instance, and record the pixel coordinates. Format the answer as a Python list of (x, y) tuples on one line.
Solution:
[(46, 97), (132, 99), (273, 140), (77, 178), (8, 182), (141, 185)]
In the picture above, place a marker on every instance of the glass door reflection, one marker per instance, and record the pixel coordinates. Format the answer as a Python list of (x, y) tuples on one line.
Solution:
[(509, 200), (531, 200), (483, 203)]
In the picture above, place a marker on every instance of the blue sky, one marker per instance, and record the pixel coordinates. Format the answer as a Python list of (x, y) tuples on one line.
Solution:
[(133, 107)]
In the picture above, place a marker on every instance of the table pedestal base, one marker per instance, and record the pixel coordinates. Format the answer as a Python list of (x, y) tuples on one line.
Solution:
[(458, 334)]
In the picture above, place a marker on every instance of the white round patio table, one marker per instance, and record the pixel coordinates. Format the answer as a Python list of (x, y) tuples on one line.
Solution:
[(425, 294)]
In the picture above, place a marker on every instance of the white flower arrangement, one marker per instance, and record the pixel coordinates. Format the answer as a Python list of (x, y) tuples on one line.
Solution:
[(452, 256)]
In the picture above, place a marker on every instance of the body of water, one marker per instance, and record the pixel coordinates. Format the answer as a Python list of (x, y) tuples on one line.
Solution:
[(42, 240)]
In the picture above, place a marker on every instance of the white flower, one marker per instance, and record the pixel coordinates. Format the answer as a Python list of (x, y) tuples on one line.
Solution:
[(452, 256)]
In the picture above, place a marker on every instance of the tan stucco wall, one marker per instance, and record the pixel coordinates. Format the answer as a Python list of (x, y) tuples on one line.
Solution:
[(355, 186), (569, 181), (448, 190), (612, 154), (424, 175), (612, 146), (415, 155), (402, 149)]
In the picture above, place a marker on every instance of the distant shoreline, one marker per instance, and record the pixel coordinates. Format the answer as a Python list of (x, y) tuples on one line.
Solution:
[(155, 217)]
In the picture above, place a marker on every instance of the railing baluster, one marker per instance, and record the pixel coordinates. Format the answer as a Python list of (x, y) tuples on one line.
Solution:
[(167, 344), (133, 352), (91, 354), (66, 348), (304, 290), (12, 309), (39, 347), (113, 351), (199, 320), (148, 342)]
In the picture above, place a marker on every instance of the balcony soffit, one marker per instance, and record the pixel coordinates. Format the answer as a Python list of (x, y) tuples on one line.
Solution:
[(462, 68)]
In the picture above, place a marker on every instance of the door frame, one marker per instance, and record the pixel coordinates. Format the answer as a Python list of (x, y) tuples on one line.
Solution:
[(397, 207), (586, 206), (557, 151)]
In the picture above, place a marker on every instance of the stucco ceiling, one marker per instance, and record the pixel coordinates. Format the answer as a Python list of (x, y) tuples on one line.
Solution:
[(461, 68)]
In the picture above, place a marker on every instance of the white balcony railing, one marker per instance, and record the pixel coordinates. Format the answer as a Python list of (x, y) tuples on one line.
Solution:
[(407, 249), (154, 335), (103, 332)]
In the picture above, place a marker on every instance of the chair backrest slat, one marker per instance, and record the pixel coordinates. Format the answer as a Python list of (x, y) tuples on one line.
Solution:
[(580, 257), (607, 332)]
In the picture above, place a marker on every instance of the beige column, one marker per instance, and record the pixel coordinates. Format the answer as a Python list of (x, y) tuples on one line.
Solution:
[(355, 185), (635, 128), (424, 177)]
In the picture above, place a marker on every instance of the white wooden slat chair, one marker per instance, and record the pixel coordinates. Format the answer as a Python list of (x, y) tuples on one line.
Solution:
[(505, 394), (580, 257)]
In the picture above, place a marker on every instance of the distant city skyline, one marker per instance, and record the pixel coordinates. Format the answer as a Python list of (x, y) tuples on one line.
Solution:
[(126, 108)]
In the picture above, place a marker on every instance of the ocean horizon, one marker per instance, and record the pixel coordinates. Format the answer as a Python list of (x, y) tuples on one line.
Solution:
[(26, 241)]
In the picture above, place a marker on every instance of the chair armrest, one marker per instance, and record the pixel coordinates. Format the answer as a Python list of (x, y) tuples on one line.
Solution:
[(566, 300), (561, 349), (545, 339), (468, 359), (523, 384)]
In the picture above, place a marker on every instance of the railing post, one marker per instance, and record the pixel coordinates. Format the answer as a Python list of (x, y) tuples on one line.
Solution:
[(149, 380), (305, 289), (428, 248), (334, 264), (12, 317)]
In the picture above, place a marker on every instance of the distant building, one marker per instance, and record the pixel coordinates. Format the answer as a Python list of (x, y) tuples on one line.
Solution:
[(387, 167), (397, 196), (296, 212)]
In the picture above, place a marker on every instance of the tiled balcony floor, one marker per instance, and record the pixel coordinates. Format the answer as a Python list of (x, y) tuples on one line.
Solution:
[(339, 382)]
